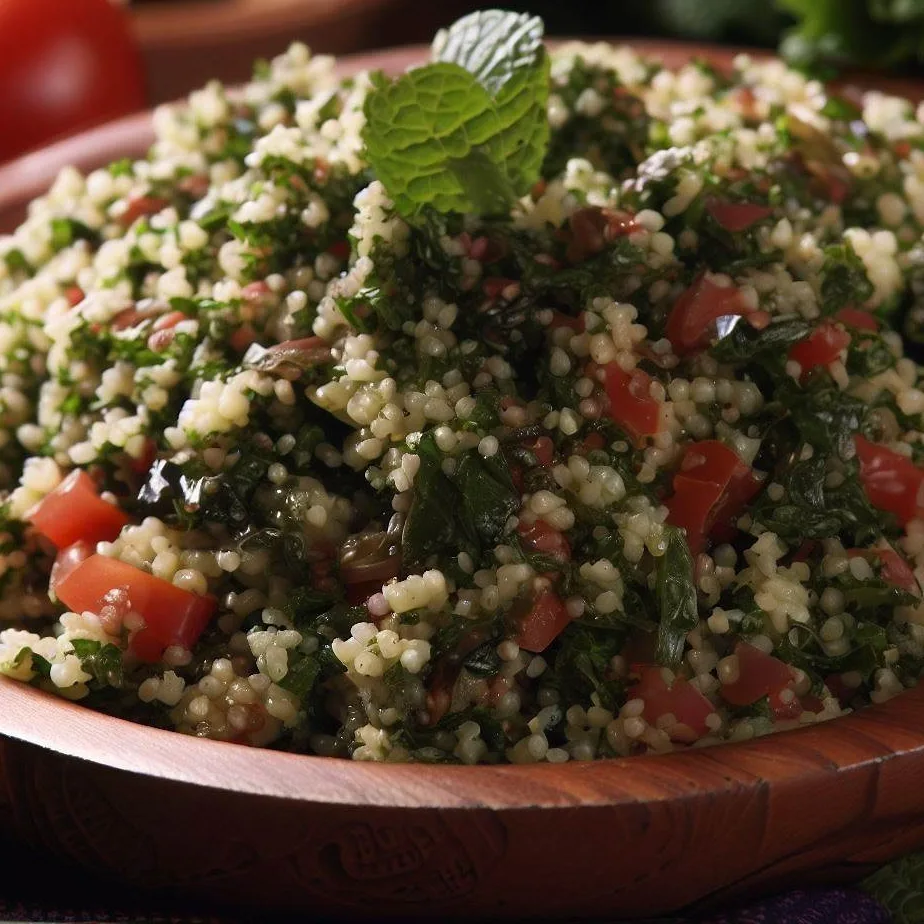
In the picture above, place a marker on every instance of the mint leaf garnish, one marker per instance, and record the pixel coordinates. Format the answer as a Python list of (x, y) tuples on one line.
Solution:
[(467, 134), (492, 45)]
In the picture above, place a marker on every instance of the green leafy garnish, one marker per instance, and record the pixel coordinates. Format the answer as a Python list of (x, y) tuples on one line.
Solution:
[(676, 598), (468, 132)]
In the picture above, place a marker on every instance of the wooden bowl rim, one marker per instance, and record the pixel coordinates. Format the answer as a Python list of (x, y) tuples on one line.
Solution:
[(874, 735)]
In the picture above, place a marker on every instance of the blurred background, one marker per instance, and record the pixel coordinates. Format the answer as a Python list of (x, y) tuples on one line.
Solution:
[(69, 64)]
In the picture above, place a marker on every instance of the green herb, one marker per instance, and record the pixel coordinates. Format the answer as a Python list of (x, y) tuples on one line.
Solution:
[(844, 279), (676, 594), (745, 343), (301, 676), (877, 33), (469, 131), (582, 664), (102, 662), (489, 498), (64, 231), (484, 661)]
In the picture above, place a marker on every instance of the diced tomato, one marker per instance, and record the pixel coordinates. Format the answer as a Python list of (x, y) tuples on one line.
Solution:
[(75, 511), (141, 206), (542, 623), (593, 442), (560, 320), (340, 249), (737, 216), (67, 560), (711, 488), (894, 569), (172, 616), (163, 330), (74, 295), (892, 482), (858, 318), (902, 149), (543, 449), (761, 675), (545, 539), (821, 348), (631, 404), (681, 700), (690, 322), (242, 337), (837, 687)]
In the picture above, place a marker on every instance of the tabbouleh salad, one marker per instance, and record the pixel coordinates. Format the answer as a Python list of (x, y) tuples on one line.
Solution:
[(526, 406)]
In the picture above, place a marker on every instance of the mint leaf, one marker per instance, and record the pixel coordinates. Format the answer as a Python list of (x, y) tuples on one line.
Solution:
[(463, 141), (492, 45)]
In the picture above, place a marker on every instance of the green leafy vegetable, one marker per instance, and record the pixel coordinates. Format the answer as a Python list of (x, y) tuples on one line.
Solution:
[(676, 594), (102, 662), (744, 343), (458, 139)]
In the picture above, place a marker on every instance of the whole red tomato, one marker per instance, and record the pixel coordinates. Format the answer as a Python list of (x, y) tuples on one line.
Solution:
[(66, 65)]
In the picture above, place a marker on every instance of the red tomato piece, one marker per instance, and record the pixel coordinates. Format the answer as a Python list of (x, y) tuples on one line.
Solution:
[(821, 348), (65, 67), (560, 320), (631, 404), (892, 482), (67, 560), (761, 675), (543, 449), (75, 511), (737, 216), (141, 207), (172, 616), (593, 442), (858, 318), (691, 319), (545, 539), (711, 488), (680, 699), (542, 623), (893, 568)]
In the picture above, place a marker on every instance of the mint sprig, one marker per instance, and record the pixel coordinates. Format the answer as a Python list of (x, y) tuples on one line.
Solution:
[(468, 132)]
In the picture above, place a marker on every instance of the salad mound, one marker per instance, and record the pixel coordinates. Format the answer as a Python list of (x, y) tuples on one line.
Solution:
[(525, 406)]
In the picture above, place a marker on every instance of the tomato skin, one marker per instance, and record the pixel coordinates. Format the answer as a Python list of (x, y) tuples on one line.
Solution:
[(65, 66), (711, 488), (737, 216), (681, 699), (631, 405), (689, 323), (892, 482), (545, 620), (560, 320), (172, 616), (858, 319), (75, 511), (545, 539), (543, 449), (761, 675), (893, 568), (821, 348), (67, 560)]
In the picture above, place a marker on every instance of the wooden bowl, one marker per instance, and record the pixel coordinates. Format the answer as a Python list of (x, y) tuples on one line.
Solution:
[(282, 832)]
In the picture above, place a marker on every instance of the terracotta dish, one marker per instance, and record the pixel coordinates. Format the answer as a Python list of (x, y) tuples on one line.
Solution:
[(621, 838)]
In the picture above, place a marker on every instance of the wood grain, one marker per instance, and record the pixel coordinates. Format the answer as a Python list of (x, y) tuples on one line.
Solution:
[(629, 837), (277, 831)]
